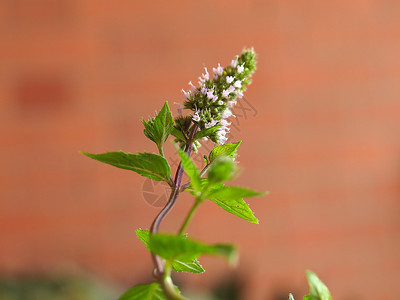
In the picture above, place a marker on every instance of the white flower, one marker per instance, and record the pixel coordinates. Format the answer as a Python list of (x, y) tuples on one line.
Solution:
[(221, 133), (238, 84), (193, 88), (210, 124), (196, 116), (221, 136), (234, 62), (225, 93), (203, 91), (231, 103), (224, 123), (239, 94), (215, 98), (186, 94), (206, 76), (222, 140), (220, 102), (240, 68), (227, 113), (229, 79), (210, 94), (218, 70)]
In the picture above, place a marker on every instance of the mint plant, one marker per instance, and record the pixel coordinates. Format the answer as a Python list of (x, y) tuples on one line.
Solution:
[(207, 110)]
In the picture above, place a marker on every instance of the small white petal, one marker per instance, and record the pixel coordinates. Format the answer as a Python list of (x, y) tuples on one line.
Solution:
[(192, 86), (234, 62), (196, 116), (240, 68), (210, 94), (226, 114), (229, 79), (238, 84), (219, 70), (225, 122), (186, 94)]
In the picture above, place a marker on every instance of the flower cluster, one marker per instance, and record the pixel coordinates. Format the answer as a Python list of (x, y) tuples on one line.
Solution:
[(211, 101)]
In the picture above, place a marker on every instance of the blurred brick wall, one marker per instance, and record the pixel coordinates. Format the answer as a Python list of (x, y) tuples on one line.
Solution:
[(321, 131)]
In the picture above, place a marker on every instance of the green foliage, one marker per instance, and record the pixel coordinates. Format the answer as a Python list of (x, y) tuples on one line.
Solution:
[(178, 134), (249, 58), (318, 290), (207, 132), (160, 127), (230, 198), (182, 127), (150, 291), (191, 170), (221, 170), (189, 265), (178, 265), (149, 165), (228, 149), (172, 247)]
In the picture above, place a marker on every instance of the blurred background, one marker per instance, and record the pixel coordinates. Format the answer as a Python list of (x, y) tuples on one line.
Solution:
[(320, 127)]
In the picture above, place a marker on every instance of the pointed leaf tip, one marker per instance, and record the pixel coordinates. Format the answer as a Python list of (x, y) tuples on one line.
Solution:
[(318, 290)]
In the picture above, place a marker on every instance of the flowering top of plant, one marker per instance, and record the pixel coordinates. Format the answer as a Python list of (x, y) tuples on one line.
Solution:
[(211, 101), (210, 105)]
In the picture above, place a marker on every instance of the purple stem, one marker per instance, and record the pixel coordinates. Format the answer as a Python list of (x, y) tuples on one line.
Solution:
[(158, 262)]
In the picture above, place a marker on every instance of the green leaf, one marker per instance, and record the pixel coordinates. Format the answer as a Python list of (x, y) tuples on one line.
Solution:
[(178, 265), (150, 291), (230, 198), (228, 149), (149, 165), (178, 134), (206, 132), (318, 290), (160, 127), (191, 170), (205, 186), (189, 265), (172, 247), (144, 236)]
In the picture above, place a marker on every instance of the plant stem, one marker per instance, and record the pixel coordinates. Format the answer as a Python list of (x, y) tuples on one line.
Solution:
[(168, 286), (159, 264), (189, 216)]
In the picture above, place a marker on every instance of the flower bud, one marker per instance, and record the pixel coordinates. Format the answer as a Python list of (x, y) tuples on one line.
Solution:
[(222, 169)]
